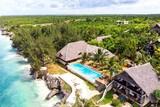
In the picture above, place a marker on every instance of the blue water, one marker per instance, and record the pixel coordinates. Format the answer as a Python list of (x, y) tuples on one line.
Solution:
[(85, 71), (17, 89)]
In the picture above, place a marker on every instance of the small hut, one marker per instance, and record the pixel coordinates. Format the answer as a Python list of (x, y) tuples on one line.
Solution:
[(156, 28), (122, 22)]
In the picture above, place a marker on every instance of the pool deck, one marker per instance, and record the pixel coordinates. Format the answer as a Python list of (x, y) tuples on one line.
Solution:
[(77, 84)]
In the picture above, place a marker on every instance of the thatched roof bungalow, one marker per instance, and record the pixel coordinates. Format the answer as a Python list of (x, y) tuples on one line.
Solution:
[(122, 22), (74, 50), (137, 84)]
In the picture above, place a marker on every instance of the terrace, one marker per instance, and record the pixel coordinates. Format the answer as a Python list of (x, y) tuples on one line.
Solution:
[(129, 92), (89, 74), (72, 84)]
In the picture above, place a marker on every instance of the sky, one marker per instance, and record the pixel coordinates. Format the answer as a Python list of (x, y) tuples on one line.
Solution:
[(76, 7)]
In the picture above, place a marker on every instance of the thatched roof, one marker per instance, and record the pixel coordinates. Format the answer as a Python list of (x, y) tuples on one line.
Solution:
[(74, 50), (158, 24), (144, 76)]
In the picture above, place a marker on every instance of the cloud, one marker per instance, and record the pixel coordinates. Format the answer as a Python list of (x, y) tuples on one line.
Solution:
[(125, 1), (103, 3), (24, 7)]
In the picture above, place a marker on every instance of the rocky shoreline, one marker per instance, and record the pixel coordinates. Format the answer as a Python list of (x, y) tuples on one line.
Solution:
[(7, 33), (53, 83)]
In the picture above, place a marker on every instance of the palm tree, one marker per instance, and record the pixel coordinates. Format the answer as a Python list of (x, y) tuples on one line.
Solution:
[(85, 57), (113, 66), (99, 56)]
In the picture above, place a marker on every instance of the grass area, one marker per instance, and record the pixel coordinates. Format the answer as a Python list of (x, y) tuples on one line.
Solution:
[(108, 98), (91, 86), (66, 87), (55, 69)]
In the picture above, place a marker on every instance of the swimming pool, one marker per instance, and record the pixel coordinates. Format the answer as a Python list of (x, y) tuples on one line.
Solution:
[(84, 71)]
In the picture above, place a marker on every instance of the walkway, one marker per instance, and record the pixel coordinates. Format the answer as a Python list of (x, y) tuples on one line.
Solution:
[(107, 105), (77, 84)]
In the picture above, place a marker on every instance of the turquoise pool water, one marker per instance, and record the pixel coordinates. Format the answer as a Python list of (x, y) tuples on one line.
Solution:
[(84, 71)]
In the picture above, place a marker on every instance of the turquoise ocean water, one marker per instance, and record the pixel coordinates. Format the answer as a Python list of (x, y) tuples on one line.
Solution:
[(17, 89)]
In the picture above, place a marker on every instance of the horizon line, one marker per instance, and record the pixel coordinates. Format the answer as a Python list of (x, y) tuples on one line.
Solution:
[(116, 14)]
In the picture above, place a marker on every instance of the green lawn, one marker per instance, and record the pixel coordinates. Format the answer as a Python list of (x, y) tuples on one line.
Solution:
[(55, 69), (108, 98), (91, 86), (66, 87)]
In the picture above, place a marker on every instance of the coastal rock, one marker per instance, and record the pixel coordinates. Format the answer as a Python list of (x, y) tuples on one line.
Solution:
[(43, 73), (53, 83), (52, 93), (35, 75), (57, 104), (63, 97)]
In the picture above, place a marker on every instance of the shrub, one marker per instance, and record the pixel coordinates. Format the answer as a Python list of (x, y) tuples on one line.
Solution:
[(135, 105), (116, 103)]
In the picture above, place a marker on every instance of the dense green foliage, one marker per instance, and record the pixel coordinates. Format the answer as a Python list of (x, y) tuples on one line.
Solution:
[(107, 99), (116, 103), (157, 94), (40, 43)]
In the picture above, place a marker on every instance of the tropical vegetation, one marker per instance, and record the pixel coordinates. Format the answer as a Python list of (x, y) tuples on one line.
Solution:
[(157, 96), (39, 37)]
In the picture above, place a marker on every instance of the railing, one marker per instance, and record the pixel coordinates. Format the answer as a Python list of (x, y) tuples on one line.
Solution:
[(131, 88), (126, 92)]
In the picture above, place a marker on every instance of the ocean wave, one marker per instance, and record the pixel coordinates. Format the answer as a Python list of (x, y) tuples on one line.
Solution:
[(22, 90), (9, 57), (42, 92)]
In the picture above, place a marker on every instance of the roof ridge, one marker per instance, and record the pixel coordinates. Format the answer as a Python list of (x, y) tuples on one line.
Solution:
[(71, 44), (67, 50), (139, 66), (87, 47)]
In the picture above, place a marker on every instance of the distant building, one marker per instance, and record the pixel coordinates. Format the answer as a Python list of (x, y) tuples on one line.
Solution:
[(80, 20), (156, 28), (150, 49), (122, 22), (137, 84), (101, 38), (74, 50)]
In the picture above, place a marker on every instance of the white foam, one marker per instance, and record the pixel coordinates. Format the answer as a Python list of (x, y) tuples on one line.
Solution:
[(10, 57), (42, 92), (41, 89)]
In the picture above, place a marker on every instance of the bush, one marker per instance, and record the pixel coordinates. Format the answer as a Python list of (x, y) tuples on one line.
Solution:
[(116, 103), (135, 105), (157, 94)]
